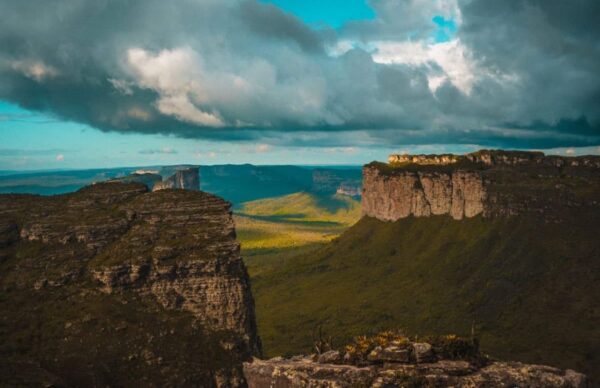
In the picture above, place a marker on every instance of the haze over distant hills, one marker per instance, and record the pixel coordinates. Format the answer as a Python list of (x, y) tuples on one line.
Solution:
[(235, 183)]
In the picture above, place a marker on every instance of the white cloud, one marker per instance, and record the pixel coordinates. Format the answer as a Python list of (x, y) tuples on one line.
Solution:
[(177, 76), (262, 148), (60, 157), (34, 69), (454, 59)]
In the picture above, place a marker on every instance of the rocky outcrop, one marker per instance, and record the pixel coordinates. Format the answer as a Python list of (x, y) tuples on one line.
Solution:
[(194, 264), (498, 158), (390, 359), (137, 271), (487, 183), (304, 372), (424, 159), (458, 194), (187, 179)]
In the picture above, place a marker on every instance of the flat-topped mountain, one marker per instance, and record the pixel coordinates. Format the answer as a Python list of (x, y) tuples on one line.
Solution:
[(490, 183), (505, 241), (115, 285)]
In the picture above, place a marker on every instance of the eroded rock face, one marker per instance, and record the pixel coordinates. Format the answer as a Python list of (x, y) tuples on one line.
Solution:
[(488, 183), (175, 250), (187, 179), (194, 264), (458, 194), (304, 372)]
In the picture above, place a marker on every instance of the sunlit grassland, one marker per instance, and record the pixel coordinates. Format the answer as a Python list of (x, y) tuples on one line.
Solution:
[(293, 221)]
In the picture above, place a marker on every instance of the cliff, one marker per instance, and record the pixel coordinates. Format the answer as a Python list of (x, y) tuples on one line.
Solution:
[(187, 179), (487, 183), (146, 286)]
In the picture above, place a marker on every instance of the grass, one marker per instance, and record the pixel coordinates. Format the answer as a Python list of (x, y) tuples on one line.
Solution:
[(293, 221), (531, 288)]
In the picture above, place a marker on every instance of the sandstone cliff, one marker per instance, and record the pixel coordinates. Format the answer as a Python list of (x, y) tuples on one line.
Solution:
[(148, 287), (187, 179), (488, 183)]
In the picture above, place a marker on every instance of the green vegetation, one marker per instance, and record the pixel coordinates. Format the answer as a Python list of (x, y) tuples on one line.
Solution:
[(392, 168), (73, 335), (447, 347), (531, 288), (295, 220)]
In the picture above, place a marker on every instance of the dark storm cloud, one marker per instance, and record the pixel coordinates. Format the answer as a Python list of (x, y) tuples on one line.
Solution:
[(520, 73)]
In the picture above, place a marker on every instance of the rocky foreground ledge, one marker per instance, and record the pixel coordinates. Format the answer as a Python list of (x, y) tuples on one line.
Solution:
[(305, 372), (390, 360)]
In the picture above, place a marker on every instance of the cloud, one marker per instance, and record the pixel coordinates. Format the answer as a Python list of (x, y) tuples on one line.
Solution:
[(60, 157), (510, 74), (162, 151), (262, 148)]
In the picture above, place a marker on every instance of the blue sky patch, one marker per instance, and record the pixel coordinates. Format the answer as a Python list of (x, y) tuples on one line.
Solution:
[(334, 13), (446, 29)]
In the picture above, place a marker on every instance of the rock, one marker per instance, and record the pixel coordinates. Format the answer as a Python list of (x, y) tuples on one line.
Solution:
[(203, 272), (187, 179), (422, 351), (126, 250), (150, 179), (288, 373), (460, 194), (330, 357), (487, 183), (389, 354)]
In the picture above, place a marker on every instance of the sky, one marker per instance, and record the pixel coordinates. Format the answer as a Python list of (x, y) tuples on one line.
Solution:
[(87, 83)]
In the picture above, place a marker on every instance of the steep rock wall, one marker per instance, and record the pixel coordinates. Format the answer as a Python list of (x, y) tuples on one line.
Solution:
[(458, 194), (174, 249), (194, 264), (187, 179), (488, 183)]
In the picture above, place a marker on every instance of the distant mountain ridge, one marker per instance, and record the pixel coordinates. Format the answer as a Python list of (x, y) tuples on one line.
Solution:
[(235, 183)]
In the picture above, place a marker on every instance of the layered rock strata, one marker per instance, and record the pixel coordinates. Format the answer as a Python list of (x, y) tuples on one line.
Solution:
[(167, 256), (194, 264), (488, 183)]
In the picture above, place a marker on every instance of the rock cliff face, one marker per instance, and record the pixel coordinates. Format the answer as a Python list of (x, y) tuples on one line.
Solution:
[(194, 265), (113, 273), (490, 183), (187, 179), (459, 194)]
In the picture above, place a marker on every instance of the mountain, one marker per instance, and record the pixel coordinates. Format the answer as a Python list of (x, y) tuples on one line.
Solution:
[(116, 286), (235, 183), (244, 183), (507, 242)]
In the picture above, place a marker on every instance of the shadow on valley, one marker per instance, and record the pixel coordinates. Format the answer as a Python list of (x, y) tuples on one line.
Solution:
[(530, 288)]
